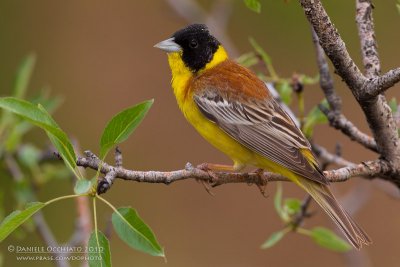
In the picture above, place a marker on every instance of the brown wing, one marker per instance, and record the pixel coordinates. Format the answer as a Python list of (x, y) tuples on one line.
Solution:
[(261, 125)]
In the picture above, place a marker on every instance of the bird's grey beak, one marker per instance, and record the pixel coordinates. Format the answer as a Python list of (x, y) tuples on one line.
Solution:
[(169, 45)]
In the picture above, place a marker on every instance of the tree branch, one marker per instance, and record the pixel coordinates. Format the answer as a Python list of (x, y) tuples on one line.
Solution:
[(325, 80), (365, 25), (334, 116), (328, 158), (48, 238), (340, 122), (370, 170), (380, 84), (376, 110), (333, 44)]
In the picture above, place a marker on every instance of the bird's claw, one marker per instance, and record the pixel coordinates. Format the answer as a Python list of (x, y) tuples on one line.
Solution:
[(263, 182), (208, 184)]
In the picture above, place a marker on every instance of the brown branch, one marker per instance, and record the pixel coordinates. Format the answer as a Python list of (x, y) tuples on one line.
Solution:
[(340, 122), (303, 213), (334, 116), (13, 167), (328, 158), (374, 104), (365, 25), (369, 52), (48, 238), (325, 80), (380, 84), (376, 110), (83, 224), (41, 225), (370, 170), (333, 44), (366, 169)]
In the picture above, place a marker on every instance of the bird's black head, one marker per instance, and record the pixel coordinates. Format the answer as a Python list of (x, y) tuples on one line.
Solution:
[(195, 43), (198, 45)]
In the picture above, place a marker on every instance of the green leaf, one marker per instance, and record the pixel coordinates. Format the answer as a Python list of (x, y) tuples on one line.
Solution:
[(18, 217), (82, 186), (24, 75), (122, 125), (285, 91), (2, 205), (273, 239), (259, 50), (23, 191), (20, 128), (99, 250), (253, 5), (43, 98), (307, 80), (247, 60), (393, 105), (314, 117), (17, 130), (29, 155), (20, 86), (398, 6), (278, 199), (328, 239), (292, 205), (38, 116), (131, 229)]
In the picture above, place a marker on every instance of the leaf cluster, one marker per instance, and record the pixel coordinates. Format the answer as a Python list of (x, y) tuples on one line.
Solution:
[(18, 116)]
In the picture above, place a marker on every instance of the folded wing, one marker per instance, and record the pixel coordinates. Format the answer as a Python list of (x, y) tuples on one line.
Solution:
[(262, 126)]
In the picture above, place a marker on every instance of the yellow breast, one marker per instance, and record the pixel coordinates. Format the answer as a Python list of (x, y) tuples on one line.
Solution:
[(181, 76)]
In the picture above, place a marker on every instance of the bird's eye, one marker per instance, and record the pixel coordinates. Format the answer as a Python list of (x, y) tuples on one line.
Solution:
[(193, 44)]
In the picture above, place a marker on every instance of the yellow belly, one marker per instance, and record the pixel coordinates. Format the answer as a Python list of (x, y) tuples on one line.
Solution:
[(209, 130), (214, 135)]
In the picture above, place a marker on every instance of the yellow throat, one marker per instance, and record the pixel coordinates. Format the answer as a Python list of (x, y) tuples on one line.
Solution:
[(181, 73)]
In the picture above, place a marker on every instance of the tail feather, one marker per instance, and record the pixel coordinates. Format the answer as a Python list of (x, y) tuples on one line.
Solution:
[(323, 196)]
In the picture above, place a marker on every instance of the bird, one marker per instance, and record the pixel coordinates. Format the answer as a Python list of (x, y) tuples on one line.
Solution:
[(234, 111)]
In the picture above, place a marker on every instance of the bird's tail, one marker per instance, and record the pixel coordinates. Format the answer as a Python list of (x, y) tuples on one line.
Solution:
[(323, 196)]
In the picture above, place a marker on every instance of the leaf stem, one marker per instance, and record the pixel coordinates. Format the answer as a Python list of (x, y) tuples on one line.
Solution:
[(300, 99), (95, 218), (96, 229), (303, 231), (63, 197), (110, 205)]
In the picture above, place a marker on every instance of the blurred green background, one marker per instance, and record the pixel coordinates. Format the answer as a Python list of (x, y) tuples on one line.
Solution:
[(99, 57)]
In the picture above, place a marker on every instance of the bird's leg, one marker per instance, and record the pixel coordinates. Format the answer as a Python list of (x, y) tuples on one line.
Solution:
[(262, 186), (210, 168), (215, 167)]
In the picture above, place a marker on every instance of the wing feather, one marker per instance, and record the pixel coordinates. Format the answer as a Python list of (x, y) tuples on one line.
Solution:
[(262, 126)]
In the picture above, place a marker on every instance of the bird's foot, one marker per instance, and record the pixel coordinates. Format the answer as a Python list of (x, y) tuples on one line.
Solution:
[(208, 184), (263, 182)]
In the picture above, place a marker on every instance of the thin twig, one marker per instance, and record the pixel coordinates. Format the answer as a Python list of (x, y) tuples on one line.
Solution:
[(325, 78), (326, 157), (13, 167), (380, 84), (303, 213), (48, 238), (333, 114), (340, 122)]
